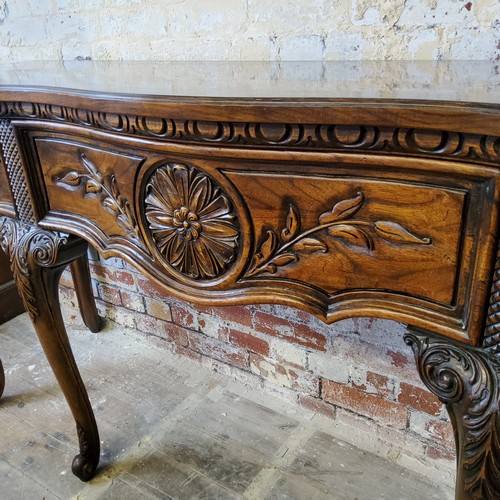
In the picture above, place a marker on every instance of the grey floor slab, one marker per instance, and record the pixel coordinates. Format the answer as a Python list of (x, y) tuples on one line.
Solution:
[(171, 428)]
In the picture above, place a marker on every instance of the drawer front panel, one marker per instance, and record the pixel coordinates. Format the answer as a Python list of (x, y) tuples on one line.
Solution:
[(409, 239), (81, 179), (340, 233)]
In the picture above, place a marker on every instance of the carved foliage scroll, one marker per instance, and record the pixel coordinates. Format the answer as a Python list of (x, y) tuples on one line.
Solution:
[(105, 188), (467, 381), (278, 250), (191, 221), (28, 246)]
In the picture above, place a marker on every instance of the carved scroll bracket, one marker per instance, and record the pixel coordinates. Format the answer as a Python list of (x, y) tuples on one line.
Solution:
[(467, 381), (28, 246)]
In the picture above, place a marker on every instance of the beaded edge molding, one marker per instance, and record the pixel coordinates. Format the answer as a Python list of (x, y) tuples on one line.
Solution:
[(446, 144)]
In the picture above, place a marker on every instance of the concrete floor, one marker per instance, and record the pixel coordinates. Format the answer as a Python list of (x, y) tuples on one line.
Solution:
[(171, 428)]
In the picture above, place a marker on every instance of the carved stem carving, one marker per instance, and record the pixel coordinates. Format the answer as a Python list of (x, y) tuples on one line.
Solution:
[(26, 246), (467, 381), (276, 251), (94, 183)]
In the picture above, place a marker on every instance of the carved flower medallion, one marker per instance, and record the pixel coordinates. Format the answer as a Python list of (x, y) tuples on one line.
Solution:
[(191, 221)]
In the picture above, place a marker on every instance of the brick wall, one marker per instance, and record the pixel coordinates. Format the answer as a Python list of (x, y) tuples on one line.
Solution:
[(357, 372), (249, 29)]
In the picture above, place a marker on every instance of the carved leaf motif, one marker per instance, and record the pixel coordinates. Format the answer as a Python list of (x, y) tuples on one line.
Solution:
[(310, 245), (94, 184), (91, 168), (92, 187), (110, 205), (275, 252), (392, 231), (351, 234), (283, 259), (268, 246), (292, 225), (26, 246), (343, 210), (72, 178)]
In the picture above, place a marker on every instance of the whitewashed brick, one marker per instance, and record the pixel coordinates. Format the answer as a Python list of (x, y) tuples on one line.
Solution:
[(287, 352), (249, 30), (210, 325), (474, 43), (302, 48), (444, 12), (330, 367)]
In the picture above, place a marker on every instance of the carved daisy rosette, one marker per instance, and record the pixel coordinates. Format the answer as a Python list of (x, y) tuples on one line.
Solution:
[(191, 221)]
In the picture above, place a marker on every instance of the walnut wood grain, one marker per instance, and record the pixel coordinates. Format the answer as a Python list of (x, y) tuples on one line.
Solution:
[(383, 205), (83, 286)]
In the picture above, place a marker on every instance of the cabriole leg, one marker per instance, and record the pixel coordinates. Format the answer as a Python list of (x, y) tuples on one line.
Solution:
[(38, 259), (467, 380), (83, 287)]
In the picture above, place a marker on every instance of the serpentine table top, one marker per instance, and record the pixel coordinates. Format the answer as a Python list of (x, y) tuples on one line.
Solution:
[(342, 188)]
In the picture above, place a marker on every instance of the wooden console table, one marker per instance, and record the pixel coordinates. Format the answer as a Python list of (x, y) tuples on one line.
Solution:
[(344, 189)]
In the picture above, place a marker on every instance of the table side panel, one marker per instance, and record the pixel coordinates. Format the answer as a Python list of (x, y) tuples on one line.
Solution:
[(6, 200)]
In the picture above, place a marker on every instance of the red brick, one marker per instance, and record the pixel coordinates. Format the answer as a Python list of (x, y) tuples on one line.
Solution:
[(158, 309), (151, 289), (380, 383), (442, 432), (69, 295), (399, 359), (221, 351), (318, 406), (109, 294), (132, 301), (369, 405), (176, 334), (419, 399), (183, 314), (248, 341), (297, 333), (185, 351), (359, 387), (438, 452), (241, 315), (117, 276), (287, 376), (66, 279), (148, 324)]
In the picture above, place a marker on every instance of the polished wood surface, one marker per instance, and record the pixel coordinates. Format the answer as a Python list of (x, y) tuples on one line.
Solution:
[(458, 81), (344, 192)]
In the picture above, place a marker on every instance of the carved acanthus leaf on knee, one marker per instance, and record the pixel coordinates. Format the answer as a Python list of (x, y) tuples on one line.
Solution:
[(467, 381), (27, 247)]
